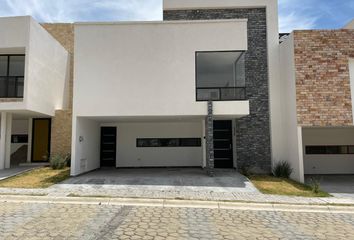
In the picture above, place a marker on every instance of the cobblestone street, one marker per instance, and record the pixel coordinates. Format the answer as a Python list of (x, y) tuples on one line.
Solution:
[(93, 221)]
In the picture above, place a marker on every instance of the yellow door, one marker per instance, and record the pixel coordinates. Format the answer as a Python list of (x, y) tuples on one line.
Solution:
[(41, 140)]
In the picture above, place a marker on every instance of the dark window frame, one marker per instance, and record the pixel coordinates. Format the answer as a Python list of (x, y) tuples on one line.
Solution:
[(7, 76), (181, 142), (327, 149), (217, 88)]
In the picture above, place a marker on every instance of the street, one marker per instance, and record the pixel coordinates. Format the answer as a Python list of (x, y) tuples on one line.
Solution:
[(34, 220)]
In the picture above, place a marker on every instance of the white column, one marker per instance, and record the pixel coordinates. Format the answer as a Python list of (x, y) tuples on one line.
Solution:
[(301, 155), (29, 148), (203, 143), (3, 140), (8, 140)]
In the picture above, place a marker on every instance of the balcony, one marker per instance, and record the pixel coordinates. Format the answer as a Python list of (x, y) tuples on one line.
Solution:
[(221, 94), (220, 76)]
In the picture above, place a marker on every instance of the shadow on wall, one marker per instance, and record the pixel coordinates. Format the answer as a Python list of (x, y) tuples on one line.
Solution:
[(20, 156)]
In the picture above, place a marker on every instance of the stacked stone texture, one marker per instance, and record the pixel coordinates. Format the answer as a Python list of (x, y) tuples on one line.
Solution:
[(322, 77), (253, 132), (62, 122)]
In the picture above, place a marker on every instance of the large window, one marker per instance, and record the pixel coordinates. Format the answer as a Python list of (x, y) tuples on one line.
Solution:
[(220, 76), (328, 150), (12, 68), (168, 142)]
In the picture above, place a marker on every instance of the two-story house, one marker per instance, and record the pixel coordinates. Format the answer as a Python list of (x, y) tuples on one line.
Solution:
[(209, 86), (34, 73)]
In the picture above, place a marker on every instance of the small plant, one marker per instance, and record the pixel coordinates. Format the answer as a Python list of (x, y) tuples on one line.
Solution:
[(315, 184), (282, 170), (68, 160), (58, 161), (245, 169)]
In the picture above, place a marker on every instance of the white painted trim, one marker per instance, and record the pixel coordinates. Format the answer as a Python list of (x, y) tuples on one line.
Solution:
[(8, 140), (162, 22), (300, 154), (213, 4), (351, 77), (30, 132), (3, 140)]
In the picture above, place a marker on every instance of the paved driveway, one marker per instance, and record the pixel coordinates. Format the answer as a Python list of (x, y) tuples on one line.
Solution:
[(165, 179), (337, 185), (41, 221)]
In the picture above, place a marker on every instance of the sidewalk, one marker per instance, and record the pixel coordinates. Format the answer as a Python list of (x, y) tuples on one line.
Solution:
[(149, 192), (169, 203)]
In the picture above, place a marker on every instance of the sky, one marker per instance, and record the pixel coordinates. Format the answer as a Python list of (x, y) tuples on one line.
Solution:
[(293, 14)]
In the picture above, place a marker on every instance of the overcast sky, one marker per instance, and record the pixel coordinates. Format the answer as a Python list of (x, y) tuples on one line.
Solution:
[(293, 14)]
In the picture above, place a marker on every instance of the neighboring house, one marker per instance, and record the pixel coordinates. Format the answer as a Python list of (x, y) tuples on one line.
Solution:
[(209, 86), (317, 73), (34, 73)]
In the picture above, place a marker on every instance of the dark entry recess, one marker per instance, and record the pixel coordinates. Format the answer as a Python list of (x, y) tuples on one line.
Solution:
[(223, 150), (108, 146)]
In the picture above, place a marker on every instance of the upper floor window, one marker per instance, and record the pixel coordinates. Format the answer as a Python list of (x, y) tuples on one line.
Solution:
[(220, 76), (12, 69)]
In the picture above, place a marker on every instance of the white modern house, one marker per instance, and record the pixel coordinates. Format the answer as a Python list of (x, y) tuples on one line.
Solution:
[(33, 77), (209, 87), (141, 89)]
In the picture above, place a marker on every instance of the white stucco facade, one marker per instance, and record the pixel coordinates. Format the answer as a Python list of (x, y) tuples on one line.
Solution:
[(154, 84), (291, 132), (148, 69), (328, 163), (46, 66), (129, 155), (46, 74)]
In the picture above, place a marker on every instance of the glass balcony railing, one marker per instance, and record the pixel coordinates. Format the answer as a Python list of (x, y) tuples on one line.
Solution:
[(221, 94)]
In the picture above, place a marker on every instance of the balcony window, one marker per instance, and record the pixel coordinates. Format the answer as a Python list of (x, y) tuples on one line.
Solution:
[(220, 76), (12, 68)]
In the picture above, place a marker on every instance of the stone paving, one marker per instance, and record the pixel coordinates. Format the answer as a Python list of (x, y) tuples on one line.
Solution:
[(190, 184), (92, 221)]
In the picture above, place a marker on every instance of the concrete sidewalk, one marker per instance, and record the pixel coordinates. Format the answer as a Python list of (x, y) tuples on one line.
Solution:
[(138, 193), (179, 203), (14, 171)]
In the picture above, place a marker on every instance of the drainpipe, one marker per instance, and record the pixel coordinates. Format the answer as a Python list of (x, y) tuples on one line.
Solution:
[(210, 140)]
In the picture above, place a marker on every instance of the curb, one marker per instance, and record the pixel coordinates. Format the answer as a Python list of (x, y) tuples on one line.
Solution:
[(241, 206)]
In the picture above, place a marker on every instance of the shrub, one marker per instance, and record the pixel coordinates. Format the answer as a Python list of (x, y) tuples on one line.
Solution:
[(282, 170), (315, 184), (68, 160), (245, 169), (58, 161)]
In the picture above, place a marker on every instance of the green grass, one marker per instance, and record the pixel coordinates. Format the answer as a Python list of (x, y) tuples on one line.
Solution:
[(279, 186), (37, 178)]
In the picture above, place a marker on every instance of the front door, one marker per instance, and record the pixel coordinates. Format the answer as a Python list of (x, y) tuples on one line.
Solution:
[(108, 146), (223, 151), (41, 139)]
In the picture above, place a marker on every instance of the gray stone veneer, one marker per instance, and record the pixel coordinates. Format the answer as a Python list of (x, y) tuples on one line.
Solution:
[(252, 132), (210, 139)]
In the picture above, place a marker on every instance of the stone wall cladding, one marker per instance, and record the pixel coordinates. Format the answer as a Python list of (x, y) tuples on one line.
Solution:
[(62, 121), (253, 132), (322, 77)]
